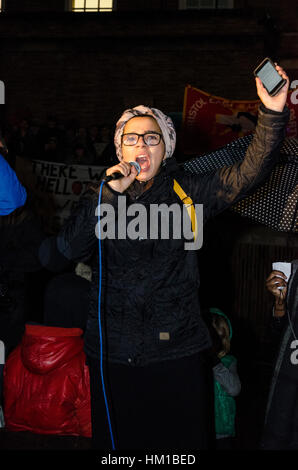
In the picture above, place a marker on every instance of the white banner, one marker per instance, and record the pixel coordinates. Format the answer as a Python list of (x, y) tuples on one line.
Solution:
[(55, 187)]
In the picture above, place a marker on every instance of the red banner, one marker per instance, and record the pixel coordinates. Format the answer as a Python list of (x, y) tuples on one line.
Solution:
[(210, 122)]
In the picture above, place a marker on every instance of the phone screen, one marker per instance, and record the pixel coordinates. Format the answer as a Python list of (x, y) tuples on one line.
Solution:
[(269, 76)]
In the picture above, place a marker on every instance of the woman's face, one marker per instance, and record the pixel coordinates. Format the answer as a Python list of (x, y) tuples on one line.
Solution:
[(148, 157)]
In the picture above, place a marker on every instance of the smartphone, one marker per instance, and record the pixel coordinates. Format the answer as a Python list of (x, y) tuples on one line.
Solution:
[(269, 76)]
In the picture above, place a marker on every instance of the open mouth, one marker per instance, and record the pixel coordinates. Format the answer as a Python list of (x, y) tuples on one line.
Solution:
[(144, 162)]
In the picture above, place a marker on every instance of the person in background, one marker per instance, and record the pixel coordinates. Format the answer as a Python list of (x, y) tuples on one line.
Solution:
[(227, 384), (92, 141), (281, 419), (276, 284), (69, 142), (105, 150), (21, 275), (80, 156), (49, 130), (3, 148), (12, 196), (23, 142), (81, 136), (12, 193), (53, 152), (46, 383)]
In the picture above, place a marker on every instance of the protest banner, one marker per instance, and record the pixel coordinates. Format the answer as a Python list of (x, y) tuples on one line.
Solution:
[(211, 122), (55, 188)]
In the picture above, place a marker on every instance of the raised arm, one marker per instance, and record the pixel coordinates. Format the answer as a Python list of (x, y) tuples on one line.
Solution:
[(228, 185)]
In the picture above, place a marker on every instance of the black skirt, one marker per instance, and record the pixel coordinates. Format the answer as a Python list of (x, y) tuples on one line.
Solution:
[(166, 405)]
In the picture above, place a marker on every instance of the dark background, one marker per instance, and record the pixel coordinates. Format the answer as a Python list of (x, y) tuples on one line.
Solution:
[(92, 66), (88, 67)]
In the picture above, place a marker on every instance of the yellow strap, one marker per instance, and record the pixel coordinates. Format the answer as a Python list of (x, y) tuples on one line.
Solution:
[(189, 206)]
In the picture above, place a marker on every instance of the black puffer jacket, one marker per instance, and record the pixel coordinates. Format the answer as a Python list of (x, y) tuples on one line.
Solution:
[(150, 309)]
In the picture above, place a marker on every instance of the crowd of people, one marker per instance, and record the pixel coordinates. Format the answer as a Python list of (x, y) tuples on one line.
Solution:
[(58, 142), (161, 373)]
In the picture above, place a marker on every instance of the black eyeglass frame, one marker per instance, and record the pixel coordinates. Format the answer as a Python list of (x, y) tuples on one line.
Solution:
[(142, 135)]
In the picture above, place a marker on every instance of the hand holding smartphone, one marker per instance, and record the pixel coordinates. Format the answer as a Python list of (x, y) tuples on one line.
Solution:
[(271, 79), (272, 85)]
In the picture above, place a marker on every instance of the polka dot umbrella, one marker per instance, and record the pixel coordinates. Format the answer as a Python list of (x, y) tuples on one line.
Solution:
[(275, 203)]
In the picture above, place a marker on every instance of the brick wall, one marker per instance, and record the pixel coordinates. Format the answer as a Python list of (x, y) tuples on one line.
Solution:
[(125, 5), (34, 5), (92, 66)]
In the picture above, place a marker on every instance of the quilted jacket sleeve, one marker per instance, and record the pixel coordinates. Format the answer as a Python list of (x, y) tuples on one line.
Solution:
[(228, 185), (77, 239)]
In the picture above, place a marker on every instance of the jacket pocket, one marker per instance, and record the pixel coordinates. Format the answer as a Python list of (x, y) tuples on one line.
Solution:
[(175, 318)]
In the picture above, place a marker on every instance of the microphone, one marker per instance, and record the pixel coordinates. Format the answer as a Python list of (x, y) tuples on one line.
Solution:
[(117, 175)]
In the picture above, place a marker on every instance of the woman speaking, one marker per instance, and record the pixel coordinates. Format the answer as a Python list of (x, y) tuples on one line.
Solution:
[(144, 339)]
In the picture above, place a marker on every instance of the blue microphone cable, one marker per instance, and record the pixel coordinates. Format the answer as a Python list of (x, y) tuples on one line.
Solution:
[(99, 318)]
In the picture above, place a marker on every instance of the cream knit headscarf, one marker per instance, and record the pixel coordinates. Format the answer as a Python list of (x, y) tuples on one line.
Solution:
[(165, 123)]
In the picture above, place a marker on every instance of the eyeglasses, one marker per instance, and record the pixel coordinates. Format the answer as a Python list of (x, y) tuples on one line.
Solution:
[(149, 138)]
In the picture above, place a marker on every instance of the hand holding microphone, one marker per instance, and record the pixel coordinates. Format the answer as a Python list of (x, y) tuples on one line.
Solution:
[(120, 177)]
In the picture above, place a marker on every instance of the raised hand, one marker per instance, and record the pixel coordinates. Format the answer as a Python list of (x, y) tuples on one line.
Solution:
[(277, 285), (277, 102)]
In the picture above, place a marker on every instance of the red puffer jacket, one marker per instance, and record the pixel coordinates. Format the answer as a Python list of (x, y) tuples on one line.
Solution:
[(46, 383)]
